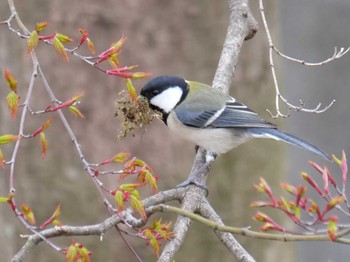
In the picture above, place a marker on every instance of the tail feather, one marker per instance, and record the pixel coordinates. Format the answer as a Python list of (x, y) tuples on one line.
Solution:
[(290, 139)]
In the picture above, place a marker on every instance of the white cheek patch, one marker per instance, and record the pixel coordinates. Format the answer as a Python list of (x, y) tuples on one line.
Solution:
[(167, 99)]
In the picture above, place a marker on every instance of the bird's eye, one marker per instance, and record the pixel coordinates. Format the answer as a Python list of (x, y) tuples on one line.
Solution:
[(155, 92)]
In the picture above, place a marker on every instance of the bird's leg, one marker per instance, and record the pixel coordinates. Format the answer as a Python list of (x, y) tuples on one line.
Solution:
[(192, 179), (196, 148)]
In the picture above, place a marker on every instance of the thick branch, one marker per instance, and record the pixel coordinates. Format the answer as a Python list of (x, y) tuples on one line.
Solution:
[(226, 238), (190, 203), (242, 26)]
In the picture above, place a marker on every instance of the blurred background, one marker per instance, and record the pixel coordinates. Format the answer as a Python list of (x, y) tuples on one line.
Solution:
[(181, 38)]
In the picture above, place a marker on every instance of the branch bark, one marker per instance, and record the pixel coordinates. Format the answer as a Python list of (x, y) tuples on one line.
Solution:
[(227, 239), (242, 26)]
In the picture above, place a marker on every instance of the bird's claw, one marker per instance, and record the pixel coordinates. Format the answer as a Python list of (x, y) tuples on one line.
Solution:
[(192, 180)]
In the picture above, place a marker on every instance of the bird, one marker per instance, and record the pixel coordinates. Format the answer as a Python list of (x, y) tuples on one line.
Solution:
[(211, 119)]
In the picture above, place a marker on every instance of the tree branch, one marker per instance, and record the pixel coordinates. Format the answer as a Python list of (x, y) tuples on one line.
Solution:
[(190, 204), (336, 55), (98, 229), (208, 217), (242, 25), (226, 238)]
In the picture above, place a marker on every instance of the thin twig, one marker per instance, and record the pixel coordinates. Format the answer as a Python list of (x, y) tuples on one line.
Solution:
[(250, 233), (279, 97), (336, 55)]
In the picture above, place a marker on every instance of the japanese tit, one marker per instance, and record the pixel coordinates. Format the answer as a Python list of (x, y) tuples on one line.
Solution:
[(212, 120)]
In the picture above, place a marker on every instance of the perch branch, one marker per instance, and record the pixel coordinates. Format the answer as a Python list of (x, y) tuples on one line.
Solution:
[(242, 26)]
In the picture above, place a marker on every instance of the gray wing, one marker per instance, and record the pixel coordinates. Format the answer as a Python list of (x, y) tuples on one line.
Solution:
[(198, 119), (237, 114), (233, 114)]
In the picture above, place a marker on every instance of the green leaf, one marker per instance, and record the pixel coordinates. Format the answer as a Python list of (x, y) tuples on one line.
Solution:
[(8, 138), (121, 157), (28, 214), (59, 47), (12, 103), (11, 81), (32, 42), (40, 26)]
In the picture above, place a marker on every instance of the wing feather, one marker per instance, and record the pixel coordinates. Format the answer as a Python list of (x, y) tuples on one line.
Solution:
[(204, 110), (237, 114), (196, 119)]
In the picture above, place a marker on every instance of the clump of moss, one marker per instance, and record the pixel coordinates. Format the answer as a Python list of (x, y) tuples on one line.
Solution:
[(135, 114)]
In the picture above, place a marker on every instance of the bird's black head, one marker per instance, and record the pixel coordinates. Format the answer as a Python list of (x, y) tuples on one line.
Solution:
[(165, 92)]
